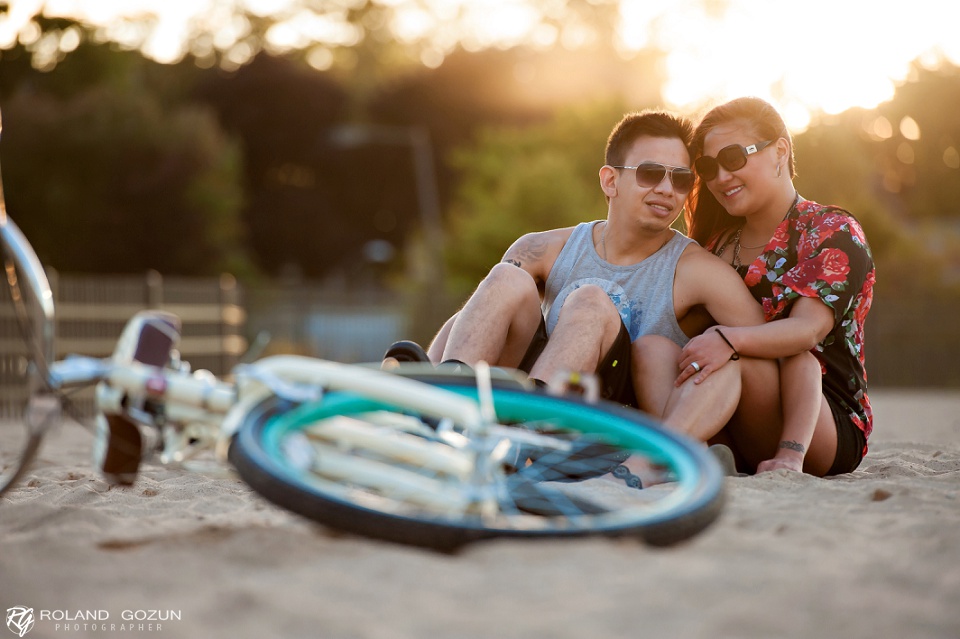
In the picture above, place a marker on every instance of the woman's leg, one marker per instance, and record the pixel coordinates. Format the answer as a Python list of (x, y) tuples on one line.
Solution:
[(757, 424)]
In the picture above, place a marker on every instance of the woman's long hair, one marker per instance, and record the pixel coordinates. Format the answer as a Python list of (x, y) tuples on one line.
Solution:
[(705, 217)]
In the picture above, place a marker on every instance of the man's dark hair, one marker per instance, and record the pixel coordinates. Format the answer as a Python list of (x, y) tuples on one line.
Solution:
[(653, 123)]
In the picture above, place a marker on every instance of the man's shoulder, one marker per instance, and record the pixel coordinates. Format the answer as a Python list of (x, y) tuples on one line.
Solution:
[(695, 256), (536, 252), (701, 265), (552, 240), (557, 235)]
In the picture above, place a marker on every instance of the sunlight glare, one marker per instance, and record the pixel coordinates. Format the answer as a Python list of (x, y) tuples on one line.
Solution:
[(909, 128), (818, 56), (16, 20)]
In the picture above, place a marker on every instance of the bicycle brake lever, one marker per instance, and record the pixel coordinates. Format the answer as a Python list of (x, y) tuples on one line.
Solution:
[(77, 370)]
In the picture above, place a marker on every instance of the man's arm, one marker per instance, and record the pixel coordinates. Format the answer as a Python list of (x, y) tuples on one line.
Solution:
[(705, 283), (536, 252), (742, 329), (705, 280)]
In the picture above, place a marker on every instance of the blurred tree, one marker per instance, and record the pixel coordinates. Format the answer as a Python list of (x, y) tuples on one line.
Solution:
[(296, 212), (519, 180), (921, 156), (327, 34), (107, 181)]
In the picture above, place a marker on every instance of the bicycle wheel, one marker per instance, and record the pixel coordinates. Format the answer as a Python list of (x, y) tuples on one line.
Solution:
[(551, 467), (26, 330)]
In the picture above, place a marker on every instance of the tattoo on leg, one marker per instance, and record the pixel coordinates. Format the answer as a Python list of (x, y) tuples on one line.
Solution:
[(795, 446)]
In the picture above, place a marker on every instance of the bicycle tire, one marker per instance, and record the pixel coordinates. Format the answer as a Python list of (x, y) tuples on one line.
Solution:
[(29, 296), (668, 514)]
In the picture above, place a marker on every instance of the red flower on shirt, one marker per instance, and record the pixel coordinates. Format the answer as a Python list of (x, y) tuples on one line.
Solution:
[(810, 276), (835, 266), (754, 274)]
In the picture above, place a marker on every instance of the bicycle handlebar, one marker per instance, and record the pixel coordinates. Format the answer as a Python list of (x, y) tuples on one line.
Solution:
[(292, 377)]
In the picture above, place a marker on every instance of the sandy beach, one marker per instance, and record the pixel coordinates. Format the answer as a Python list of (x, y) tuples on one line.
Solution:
[(875, 553)]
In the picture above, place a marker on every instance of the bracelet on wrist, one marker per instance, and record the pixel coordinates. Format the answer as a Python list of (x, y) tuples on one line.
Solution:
[(735, 355)]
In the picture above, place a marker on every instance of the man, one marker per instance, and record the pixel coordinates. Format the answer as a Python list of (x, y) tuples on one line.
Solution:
[(574, 299)]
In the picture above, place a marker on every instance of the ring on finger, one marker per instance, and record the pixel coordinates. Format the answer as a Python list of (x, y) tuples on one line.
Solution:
[(696, 366)]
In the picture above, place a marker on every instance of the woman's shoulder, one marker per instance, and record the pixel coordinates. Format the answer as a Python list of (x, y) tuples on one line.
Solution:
[(829, 220), (823, 213), (814, 213)]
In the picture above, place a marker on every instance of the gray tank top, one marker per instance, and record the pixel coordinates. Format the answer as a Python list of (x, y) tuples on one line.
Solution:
[(643, 292)]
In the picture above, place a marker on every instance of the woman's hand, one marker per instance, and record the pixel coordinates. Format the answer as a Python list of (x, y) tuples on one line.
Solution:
[(708, 351)]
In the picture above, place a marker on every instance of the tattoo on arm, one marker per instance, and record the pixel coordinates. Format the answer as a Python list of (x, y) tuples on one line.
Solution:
[(795, 446), (532, 249)]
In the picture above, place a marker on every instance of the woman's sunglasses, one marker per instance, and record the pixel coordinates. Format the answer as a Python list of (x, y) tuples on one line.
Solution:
[(732, 158), (650, 174)]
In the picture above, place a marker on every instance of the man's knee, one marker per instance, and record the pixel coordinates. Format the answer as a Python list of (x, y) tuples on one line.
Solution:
[(511, 281), (591, 303)]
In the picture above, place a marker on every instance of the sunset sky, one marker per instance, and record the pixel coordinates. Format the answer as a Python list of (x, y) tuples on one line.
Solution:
[(815, 55)]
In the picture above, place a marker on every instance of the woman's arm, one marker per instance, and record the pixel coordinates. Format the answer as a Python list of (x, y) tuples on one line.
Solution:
[(809, 322)]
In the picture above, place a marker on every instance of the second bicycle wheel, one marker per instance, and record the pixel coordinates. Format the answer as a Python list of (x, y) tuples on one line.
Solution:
[(550, 467), (27, 330)]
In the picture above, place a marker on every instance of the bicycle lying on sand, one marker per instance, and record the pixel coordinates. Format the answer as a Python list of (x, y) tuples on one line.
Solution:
[(416, 456)]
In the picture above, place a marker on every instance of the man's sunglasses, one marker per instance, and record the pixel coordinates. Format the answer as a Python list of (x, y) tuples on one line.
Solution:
[(732, 158), (650, 174)]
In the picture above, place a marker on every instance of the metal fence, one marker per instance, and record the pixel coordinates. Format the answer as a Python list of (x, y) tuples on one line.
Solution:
[(92, 311), (355, 325), (914, 341)]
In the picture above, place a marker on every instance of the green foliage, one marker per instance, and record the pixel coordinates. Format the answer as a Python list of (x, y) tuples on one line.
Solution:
[(109, 181), (516, 181)]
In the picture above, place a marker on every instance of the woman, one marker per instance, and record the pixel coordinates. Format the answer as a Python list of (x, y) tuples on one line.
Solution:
[(810, 267)]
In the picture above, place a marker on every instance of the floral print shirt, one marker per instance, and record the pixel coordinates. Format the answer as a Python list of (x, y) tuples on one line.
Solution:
[(821, 251)]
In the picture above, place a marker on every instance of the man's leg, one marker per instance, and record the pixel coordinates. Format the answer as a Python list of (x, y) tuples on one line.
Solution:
[(496, 324), (586, 329), (439, 342)]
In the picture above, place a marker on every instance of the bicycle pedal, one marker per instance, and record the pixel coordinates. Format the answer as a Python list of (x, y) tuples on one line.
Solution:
[(118, 449)]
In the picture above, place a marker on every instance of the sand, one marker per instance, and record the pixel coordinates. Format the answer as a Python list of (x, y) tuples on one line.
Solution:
[(872, 554)]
